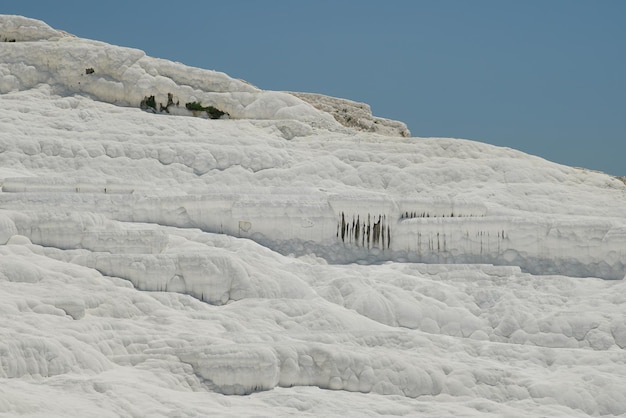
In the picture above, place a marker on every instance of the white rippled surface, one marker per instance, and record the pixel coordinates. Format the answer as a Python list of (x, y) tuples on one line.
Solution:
[(279, 264)]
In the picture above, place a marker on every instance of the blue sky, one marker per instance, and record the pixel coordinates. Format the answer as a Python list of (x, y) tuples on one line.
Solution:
[(544, 77)]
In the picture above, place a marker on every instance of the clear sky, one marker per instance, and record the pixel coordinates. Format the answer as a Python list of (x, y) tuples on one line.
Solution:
[(544, 77)]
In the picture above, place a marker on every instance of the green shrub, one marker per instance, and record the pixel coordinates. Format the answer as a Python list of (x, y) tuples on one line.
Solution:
[(214, 113), (194, 106), (149, 103)]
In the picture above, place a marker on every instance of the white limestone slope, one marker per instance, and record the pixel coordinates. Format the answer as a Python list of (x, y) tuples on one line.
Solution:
[(125, 76), (151, 263)]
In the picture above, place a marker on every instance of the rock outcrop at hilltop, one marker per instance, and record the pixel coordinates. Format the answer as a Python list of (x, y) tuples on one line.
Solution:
[(355, 115), (24, 29)]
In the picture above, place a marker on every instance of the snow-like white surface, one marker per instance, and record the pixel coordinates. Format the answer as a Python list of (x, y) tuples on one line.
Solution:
[(277, 263)]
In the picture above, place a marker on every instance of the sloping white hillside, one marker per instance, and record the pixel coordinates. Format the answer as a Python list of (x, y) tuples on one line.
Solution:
[(124, 76), (276, 262)]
